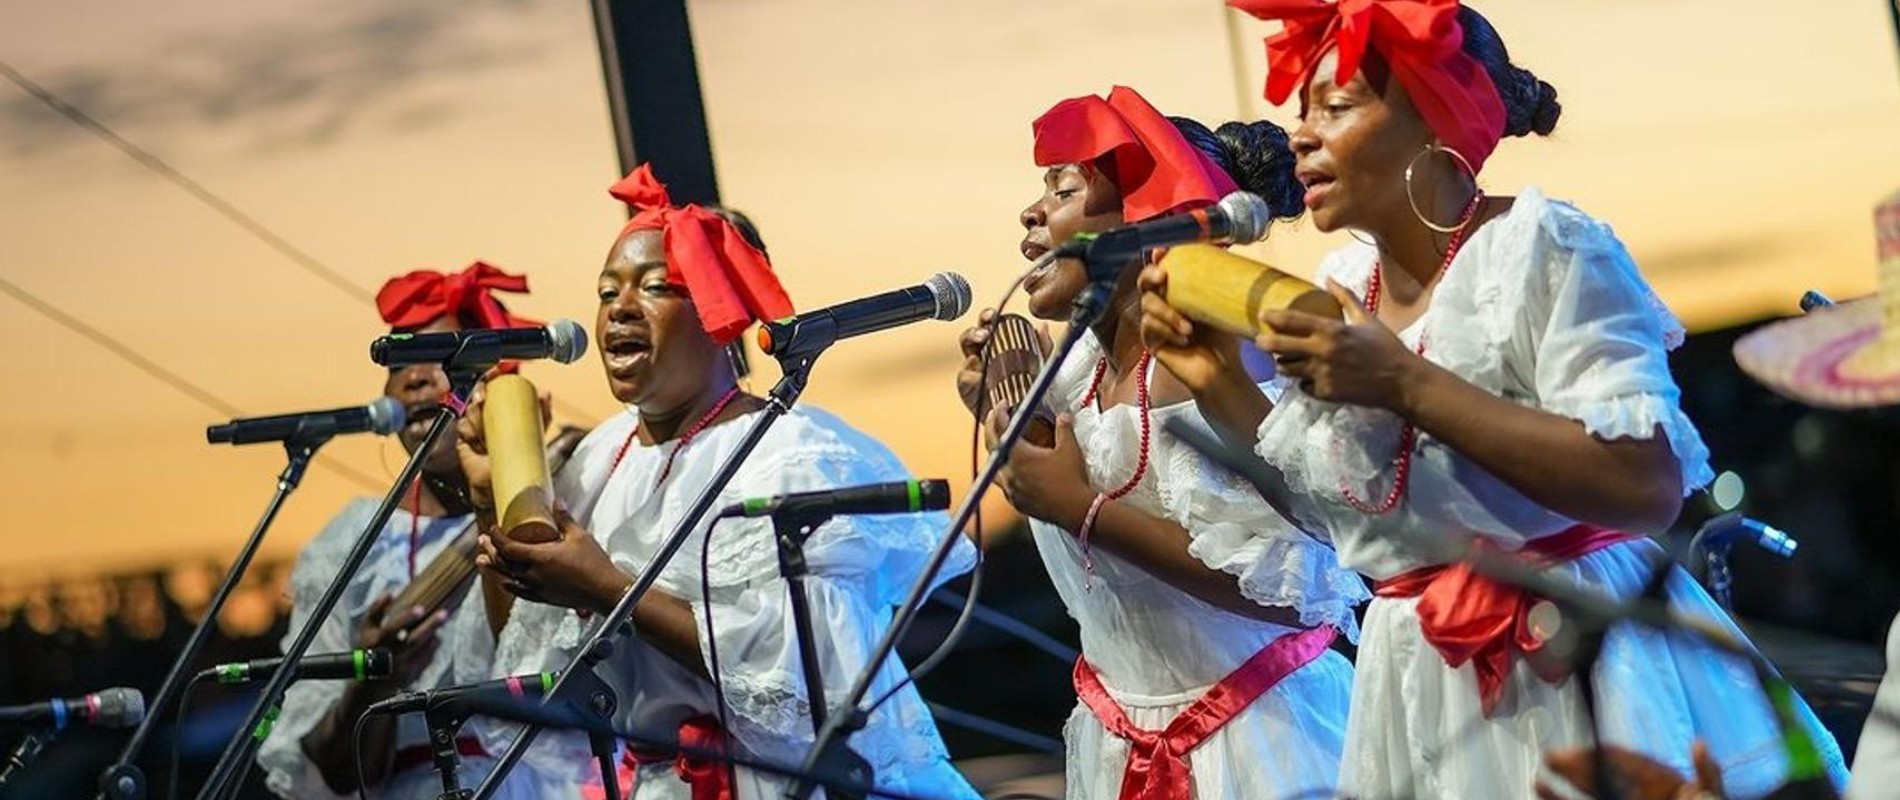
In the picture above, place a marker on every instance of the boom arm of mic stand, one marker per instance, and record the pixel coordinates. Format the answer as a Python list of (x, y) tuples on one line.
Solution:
[(850, 715), (124, 780), (238, 755), (597, 646)]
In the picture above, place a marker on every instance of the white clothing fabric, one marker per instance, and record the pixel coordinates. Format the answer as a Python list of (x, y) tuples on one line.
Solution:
[(461, 656), (1157, 649), (1877, 759), (1542, 306), (861, 568)]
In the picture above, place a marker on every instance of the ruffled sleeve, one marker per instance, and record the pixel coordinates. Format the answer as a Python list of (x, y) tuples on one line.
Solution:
[(288, 772), (1276, 564), (1597, 340)]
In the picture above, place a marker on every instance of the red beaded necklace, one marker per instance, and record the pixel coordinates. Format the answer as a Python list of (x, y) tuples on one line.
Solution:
[(685, 439), (1141, 402), (1408, 435)]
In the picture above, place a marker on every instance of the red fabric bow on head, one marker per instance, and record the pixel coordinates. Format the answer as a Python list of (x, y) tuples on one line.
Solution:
[(730, 281), (1156, 168), (424, 296), (1421, 40)]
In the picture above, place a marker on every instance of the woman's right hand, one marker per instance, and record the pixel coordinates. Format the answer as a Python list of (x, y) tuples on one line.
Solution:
[(1203, 358), (972, 342)]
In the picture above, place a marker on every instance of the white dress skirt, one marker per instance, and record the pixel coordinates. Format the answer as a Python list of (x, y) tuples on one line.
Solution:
[(1542, 306), (1158, 649)]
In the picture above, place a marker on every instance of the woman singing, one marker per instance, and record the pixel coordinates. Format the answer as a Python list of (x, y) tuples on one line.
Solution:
[(1501, 373)]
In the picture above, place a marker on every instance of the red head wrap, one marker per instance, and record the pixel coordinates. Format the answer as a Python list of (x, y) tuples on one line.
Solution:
[(1156, 168), (1420, 39), (730, 281), (424, 296)]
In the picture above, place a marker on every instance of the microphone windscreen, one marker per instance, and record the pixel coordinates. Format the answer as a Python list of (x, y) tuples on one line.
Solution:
[(386, 416), (511, 424), (1229, 292), (569, 340), (120, 707), (952, 293), (1248, 217)]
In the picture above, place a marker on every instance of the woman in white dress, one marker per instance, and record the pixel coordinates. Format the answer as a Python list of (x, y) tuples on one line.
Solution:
[(678, 286), (1205, 618), (1502, 373), (311, 753)]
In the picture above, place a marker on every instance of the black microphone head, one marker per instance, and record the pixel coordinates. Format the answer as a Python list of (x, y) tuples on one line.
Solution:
[(1248, 217), (935, 494), (569, 340), (376, 664), (119, 707), (952, 294), (386, 416)]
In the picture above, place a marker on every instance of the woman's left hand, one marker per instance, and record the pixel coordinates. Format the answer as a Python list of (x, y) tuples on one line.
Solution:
[(1048, 483), (1359, 361), (572, 571)]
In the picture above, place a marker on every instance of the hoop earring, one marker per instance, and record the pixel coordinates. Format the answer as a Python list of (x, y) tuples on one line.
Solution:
[(1409, 198), (1361, 239)]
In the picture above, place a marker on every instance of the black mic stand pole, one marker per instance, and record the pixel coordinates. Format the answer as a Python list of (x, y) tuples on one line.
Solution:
[(594, 715), (225, 777), (796, 369), (123, 780), (852, 716)]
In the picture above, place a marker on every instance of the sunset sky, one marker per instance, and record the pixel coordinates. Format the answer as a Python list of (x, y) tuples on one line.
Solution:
[(1738, 146)]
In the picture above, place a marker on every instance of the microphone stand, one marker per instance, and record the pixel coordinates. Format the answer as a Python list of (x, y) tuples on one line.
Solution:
[(595, 716), (225, 777), (852, 716), (796, 369), (29, 749), (123, 780)]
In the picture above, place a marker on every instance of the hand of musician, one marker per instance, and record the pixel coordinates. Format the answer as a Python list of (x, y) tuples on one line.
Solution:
[(1204, 359), (972, 342), (471, 444), (408, 634), (1048, 483), (572, 571), (1637, 776), (1359, 361)]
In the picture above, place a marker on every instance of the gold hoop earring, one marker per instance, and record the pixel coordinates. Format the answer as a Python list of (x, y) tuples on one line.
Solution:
[(1361, 239), (1410, 198)]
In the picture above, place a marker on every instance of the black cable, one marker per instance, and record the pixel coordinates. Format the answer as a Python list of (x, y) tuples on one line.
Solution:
[(152, 368), (712, 646), (223, 207), (178, 730), (356, 755)]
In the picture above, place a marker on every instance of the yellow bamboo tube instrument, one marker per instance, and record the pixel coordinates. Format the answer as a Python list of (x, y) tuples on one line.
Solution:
[(511, 423), (1212, 286)]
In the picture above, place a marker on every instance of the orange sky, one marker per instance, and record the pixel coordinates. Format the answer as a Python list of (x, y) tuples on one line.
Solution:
[(1736, 145)]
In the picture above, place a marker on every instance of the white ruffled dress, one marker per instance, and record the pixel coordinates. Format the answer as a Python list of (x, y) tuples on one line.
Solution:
[(861, 567), (1542, 306), (1157, 649), (463, 655)]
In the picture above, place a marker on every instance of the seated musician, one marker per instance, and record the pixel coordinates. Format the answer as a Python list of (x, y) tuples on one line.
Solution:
[(427, 542)]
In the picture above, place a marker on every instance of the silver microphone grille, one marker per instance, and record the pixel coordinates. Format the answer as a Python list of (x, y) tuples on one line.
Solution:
[(386, 416), (569, 339), (952, 294), (1248, 216), (120, 707)]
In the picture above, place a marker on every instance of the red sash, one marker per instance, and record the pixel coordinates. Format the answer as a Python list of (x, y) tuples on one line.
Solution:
[(1157, 760), (710, 780), (1469, 617)]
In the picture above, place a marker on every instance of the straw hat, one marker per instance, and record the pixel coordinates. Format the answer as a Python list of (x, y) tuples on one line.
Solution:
[(1846, 356)]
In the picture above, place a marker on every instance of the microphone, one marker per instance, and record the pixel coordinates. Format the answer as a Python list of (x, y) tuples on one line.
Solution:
[(383, 416), (479, 348), (118, 707), (945, 296), (503, 694), (898, 497), (1238, 218), (356, 665), (1720, 532)]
